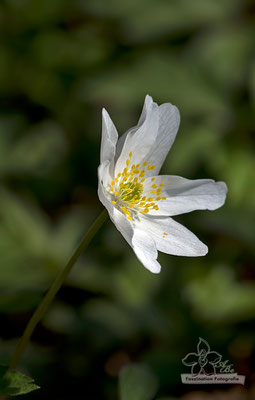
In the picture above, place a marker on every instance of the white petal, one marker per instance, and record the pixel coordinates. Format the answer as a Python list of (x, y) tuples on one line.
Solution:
[(109, 138), (169, 121), (103, 177), (146, 108), (185, 195), (140, 141), (145, 250), (123, 225), (179, 240)]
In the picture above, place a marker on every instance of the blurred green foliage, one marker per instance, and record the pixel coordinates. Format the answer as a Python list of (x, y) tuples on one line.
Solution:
[(60, 63)]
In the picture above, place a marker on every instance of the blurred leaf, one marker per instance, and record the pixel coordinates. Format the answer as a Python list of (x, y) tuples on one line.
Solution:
[(61, 50), (14, 383), (204, 141), (137, 382), (217, 296), (24, 222), (134, 285), (38, 151), (159, 74), (252, 82), (162, 17), (60, 318), (236, 166), (18, 301), (26, 13), (114, 318), (230, 45), (113, 8)]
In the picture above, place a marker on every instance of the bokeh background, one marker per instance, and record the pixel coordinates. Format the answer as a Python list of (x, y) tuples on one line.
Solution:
[(60, 62)]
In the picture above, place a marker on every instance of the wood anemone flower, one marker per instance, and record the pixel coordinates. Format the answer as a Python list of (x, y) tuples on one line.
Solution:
[(139, 201)]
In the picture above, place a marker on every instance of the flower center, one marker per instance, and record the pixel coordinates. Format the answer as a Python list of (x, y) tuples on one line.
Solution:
[(128, 189), (130, 192)]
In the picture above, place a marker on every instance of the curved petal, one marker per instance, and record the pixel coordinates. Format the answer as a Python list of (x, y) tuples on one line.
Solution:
[(139, 141), (213, 357), (145, 250), (190, 359), (185, 195), (103, 177), (203, 346), (171, 237), (109, 138), (146, 108), (124, 226), (169, 121)]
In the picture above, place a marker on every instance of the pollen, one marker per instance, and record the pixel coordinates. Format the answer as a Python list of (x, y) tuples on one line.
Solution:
[(128, 190)]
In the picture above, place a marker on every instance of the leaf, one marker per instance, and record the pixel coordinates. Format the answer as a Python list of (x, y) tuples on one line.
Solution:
[(137, 383), (13, 383)]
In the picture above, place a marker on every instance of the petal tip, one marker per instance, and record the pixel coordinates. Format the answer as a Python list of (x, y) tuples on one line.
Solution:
[(204, 250)]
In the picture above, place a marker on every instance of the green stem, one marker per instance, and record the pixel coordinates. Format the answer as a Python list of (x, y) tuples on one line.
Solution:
[(48, 298)]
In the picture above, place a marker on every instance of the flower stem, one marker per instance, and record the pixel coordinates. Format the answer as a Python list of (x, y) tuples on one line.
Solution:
[(48, 298)]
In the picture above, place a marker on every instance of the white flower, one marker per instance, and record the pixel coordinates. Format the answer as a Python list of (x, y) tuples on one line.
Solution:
[(139, 201)]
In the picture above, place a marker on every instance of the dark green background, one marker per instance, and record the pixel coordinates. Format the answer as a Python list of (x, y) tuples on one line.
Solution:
[(60, 62)]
